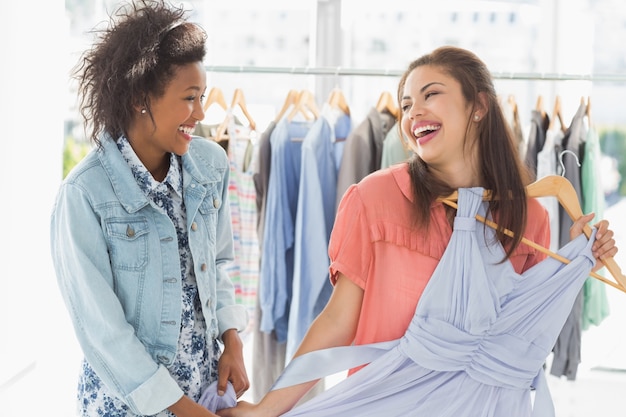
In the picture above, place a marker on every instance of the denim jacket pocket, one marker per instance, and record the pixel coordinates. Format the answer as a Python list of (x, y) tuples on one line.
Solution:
[(128, 242)]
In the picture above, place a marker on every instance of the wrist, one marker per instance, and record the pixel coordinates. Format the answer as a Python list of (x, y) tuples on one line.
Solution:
[(231, 339)]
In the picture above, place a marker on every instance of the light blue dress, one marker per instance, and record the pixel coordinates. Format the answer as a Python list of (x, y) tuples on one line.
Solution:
[(476, 345)]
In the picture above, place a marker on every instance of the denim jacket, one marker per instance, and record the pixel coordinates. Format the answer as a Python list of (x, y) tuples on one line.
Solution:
[(117, 265)]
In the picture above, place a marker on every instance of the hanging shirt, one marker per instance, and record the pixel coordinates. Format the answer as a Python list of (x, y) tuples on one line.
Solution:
[(363, 149), (395, 149), (567, 350), (596, 303), (547, 165), (539, 123), (280, 218), (268, 356), (244, 270), (322, 150)]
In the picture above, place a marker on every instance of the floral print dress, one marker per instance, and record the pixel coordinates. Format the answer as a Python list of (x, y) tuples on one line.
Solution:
[(195, 365)]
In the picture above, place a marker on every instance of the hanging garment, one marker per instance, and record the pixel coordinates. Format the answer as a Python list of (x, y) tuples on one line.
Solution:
[(268, 356), (363, 150), (261, 175), (280, 217), (547, 165), (511, 112), (595, 302), (539, 123), (567, 350), (476, 344), (244, 269), (322, 151), (395, 150)]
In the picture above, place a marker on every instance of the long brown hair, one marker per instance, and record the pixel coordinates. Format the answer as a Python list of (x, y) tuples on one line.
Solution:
[(500, 166)]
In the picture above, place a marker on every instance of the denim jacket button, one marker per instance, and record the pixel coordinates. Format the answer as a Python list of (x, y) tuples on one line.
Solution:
[(203, 267), (216, 203), (194, 226)]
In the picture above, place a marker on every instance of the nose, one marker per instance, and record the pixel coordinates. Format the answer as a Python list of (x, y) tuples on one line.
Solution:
[(198, 111), (416, 110)]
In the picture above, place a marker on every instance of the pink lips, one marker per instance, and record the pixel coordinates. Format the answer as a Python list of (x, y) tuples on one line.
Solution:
[(186, 136), (427, 138)]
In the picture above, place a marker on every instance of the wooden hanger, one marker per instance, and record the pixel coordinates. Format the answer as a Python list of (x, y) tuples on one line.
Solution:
[(556, 114), (587, 109), (290, 100), (305, 105), (387, 103), (561, 188), (337, 100), (238, 100), (539, 104), (215, 97), (513, 104)]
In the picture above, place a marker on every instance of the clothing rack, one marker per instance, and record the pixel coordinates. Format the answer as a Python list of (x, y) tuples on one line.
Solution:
[(390, 72)]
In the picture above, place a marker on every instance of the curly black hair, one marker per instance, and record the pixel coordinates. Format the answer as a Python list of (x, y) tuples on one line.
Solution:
[(133, 59)]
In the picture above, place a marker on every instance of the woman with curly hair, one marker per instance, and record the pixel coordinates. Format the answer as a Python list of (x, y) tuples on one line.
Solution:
[(141, 227)]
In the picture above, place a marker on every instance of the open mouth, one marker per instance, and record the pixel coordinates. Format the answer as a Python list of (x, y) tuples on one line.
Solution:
[(422, 131), (187, 130)]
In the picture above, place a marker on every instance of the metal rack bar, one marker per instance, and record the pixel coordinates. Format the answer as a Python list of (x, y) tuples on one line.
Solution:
[(341, 71)]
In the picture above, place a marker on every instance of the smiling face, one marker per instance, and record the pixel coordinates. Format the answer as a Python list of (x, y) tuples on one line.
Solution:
[(435, 118), (174, 117)]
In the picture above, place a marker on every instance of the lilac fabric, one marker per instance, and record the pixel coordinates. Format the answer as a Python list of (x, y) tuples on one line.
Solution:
[(210, 400), (476, 344)]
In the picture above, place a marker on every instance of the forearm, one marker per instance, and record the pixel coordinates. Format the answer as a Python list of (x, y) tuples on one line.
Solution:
[(335, 326), (278, 402), (186, 407)]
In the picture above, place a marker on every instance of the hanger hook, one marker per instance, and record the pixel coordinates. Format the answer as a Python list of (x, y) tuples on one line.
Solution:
[(561, 160), (337, 73)]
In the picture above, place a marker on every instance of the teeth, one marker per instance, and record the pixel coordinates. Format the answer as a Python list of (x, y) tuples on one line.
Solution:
[(186, 129), (425, 128)]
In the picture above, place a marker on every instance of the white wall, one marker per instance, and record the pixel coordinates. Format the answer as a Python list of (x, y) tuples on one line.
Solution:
[(34, 328)]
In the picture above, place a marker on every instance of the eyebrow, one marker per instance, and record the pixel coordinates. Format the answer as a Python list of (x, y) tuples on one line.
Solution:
[(424, 88), (429, 84)]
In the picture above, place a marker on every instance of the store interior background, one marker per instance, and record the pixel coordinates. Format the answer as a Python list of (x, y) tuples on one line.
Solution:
[(572, 49)]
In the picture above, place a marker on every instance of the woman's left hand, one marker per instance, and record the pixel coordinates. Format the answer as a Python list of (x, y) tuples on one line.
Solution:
[(604, 245)]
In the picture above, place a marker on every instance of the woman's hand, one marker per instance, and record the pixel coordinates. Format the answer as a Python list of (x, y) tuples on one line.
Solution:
[(604, 245), (231, 366)]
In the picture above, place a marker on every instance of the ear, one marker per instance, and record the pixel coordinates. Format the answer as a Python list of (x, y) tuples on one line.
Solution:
[(482, 104), (140, 104)]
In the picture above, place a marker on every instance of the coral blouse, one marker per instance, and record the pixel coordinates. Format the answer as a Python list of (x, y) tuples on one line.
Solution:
[(375, 245)]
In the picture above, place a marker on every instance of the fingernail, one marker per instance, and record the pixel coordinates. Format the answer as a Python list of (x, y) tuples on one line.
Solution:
[(220, 393)]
